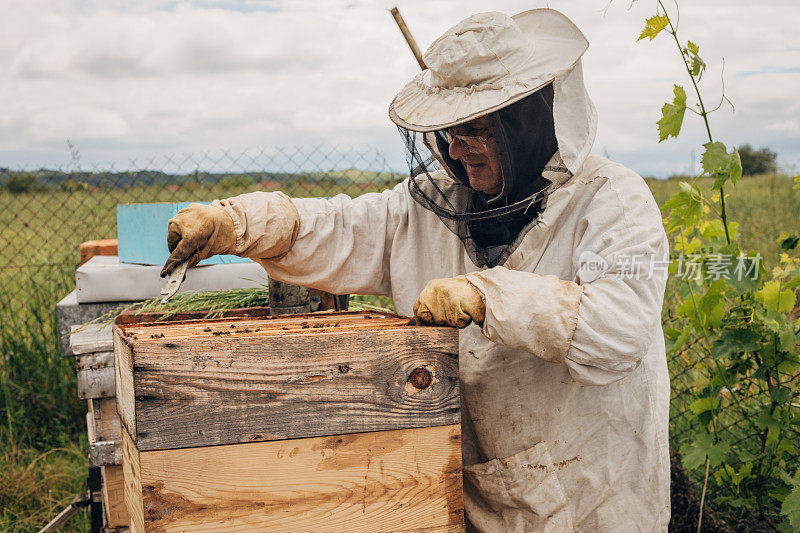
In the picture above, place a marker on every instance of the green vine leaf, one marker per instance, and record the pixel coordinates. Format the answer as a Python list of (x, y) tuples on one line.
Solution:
[(734, 341), (687, 308), (698, 66), (701, 405), (653, 26), (790, 366), (693, 454), (728, 473), (712, 305), (685, 207), (676, 339), (779, 324), (686, 246), (669, 125), (780, 395), (714, 229), (767, 420), (788, 242), (715, 157), (775, 298), (787, 339), (791, 508), (717, 160), (784, 334), (745, 273), (735, 170)]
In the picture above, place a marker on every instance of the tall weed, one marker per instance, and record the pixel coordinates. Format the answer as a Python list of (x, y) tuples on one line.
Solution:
[(38, 395), (43, 449), (36, 485)]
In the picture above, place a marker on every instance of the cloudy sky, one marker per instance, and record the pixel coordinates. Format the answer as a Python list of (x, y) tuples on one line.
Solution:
[(132, 80)]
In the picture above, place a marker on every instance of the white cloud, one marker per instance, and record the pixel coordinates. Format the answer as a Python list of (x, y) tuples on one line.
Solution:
[(122, 79)]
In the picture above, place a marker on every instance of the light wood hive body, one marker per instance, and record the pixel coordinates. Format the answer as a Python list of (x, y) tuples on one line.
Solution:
[(344, 421)]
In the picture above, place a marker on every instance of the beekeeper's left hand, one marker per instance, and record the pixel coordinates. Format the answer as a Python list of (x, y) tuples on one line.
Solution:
[(449, 302)]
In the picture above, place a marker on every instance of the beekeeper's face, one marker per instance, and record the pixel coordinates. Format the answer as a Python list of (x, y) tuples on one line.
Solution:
[(473, 144)]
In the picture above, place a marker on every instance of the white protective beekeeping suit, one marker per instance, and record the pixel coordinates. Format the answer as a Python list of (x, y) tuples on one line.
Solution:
[(564, 388)]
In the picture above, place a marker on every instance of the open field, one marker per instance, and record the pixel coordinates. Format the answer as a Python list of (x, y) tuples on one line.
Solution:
[(40, 231), (764, 206), (42, 453)]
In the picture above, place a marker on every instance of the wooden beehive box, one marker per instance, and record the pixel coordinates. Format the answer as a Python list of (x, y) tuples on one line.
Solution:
[(325, 422), (92, 347)]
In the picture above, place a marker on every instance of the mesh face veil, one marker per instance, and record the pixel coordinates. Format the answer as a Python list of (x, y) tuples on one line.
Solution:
[(490, 226)]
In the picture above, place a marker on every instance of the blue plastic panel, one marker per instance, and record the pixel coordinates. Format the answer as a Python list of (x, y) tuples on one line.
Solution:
[(142, 234)]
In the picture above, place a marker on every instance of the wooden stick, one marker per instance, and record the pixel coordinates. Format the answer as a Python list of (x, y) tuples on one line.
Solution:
[(398, 18), (427, 138), (703, 497), (79, 501)]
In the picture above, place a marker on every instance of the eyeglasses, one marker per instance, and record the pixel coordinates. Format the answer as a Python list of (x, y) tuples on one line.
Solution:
[(475, 143)]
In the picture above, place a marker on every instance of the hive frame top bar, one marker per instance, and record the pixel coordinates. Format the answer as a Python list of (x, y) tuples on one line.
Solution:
[(321, 322)]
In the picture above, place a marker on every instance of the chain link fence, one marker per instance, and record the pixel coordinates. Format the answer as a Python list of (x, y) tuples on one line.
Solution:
[(46, 213), (755, 435)]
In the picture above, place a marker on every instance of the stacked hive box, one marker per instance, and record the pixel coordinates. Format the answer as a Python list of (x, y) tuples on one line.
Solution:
[(94, 358), (324, 422)]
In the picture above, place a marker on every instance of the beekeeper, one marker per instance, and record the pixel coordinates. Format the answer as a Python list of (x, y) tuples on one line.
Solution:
[(548, 257)]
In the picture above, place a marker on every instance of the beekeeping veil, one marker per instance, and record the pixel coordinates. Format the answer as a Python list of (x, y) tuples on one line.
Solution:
[(524, 72)]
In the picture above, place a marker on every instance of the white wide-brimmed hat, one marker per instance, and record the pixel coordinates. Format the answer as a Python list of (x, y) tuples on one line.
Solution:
[(491, 60), (487, 62)]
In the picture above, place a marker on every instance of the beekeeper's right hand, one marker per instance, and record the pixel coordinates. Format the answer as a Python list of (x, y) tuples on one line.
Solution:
[(196, 233)]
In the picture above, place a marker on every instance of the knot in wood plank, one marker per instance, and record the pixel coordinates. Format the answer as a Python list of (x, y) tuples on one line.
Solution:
[(421, 378)]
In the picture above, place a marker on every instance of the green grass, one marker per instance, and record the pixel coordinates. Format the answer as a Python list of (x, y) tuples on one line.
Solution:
[(763, 206), (42, 434), (41, 231), (42, 444), (36, 485)]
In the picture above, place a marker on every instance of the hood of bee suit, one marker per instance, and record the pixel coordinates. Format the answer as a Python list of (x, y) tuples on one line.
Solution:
[(488, 62), (525, 137)]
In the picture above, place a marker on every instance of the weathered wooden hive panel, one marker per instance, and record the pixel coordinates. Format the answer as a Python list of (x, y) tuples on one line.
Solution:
[(340, 421), (94, 360)]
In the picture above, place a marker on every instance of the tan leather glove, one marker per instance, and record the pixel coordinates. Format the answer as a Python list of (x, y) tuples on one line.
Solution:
[(197, 232), (450, 302)]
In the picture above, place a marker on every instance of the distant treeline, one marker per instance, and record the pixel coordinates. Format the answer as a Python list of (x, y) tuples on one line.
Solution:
[(27, 181)]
